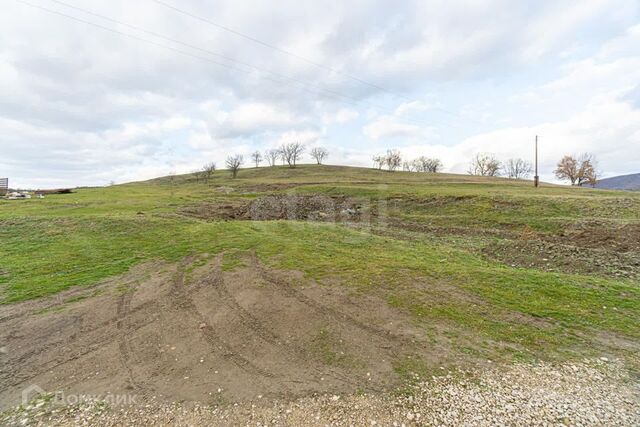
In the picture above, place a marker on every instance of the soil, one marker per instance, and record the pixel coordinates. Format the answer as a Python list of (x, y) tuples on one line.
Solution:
[(593, 247), (193, 332), (601, 235), (282, 207), (565, 258)]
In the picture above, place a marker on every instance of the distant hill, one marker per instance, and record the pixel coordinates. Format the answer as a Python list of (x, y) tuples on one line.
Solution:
[(622, 182)]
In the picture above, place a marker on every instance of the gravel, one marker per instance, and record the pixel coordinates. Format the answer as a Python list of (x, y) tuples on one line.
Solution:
[(595, 392)]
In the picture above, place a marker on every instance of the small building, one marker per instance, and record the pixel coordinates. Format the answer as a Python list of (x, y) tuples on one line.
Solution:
[(4, 186)]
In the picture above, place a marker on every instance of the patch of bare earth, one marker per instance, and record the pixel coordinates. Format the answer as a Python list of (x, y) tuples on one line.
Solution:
[(283, 207), (197, 333), (585, 248)]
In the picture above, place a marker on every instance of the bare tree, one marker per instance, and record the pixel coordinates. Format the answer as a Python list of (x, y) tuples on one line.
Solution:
[(393, 160), (291, 153), (433, 165), (518, 168), (484, 164), (378, 161), (588, 170), (272, 156), (256, 157), (296, 152), (319, 154), (285, 154), (578, 171), (426, 164), (207, 171), (407, 166), (233, 164)]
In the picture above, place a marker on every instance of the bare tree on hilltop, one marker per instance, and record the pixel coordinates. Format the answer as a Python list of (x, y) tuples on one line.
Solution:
[(579, 171), (319, 154), (393, 160), (426, 164), (518, 168), (484, 164), (233, 164), (291, 153), (256, 157), (378, 161), (207, 171), (272, 155)]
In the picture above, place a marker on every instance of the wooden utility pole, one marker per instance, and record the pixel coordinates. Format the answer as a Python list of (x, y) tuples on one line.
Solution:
[(536, 178)]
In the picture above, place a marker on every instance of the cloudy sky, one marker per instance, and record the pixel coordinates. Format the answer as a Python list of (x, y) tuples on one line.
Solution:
[(113, 90)]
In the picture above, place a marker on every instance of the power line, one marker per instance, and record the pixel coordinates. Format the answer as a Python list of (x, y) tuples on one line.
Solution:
[(354, 101), (230, 59), (295, 55)]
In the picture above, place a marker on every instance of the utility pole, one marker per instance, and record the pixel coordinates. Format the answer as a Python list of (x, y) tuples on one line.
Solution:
[(536, 178)]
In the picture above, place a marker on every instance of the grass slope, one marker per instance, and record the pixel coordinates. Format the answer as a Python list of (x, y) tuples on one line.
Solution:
[(429, 255)]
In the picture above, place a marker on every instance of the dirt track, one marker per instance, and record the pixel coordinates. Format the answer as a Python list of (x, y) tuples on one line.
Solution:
[(192, 332)]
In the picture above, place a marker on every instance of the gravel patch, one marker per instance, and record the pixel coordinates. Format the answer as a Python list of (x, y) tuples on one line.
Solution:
[(590, 393)]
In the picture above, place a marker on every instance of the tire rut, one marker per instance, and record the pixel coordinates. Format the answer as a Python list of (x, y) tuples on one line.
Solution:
[(124, 346), (53, 364), (293, 353), (183, 301), (326, 311)]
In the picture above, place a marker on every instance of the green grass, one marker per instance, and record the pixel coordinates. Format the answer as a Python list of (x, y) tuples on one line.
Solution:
[(79, 239)]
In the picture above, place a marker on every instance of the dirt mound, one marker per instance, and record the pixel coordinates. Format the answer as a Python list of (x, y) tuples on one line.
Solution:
[(565, 258), (283, 207), (596, 234), (197, 333)]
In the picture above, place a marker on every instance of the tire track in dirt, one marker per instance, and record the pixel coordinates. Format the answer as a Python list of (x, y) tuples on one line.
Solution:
[(53, 302), (293, 353), (124, 346), (326, 311), (97, 345), (81, 333), (183, 302)]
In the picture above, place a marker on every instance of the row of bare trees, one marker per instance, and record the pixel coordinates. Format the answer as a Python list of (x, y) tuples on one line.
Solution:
[(392, 161), (485, 164), (578, 170), (290, 154), (423, 164)]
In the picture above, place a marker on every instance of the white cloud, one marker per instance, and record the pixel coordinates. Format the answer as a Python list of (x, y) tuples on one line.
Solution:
[(304, 136), (398, 125), (250, 118), (343, 115), (389, 127), (81, 105), (410, 106)]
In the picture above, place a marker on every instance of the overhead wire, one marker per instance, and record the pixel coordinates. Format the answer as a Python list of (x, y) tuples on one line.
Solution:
[(295, 55), (282, 79)]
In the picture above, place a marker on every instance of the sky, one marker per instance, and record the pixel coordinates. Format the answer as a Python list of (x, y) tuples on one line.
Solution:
[(93, 92)]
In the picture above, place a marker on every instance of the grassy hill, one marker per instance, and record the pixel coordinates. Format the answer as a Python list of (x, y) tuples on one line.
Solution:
[(495, 268)]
